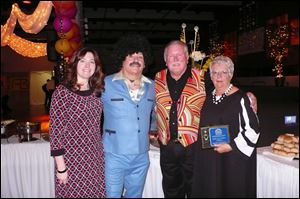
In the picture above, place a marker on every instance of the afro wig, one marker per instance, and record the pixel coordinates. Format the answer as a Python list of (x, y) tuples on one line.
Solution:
[(130, 44)]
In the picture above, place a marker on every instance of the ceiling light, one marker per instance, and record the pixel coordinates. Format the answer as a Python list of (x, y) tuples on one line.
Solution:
[(26, 2)]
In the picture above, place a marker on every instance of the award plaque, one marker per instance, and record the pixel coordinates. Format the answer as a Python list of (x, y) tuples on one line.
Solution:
[(212, 135)]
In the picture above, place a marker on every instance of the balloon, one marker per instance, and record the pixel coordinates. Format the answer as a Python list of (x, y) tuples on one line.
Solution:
[(73, 32), (76, 29), (63, 4), (67, 35), (70, 13), (62, 46), (62, 24), (74, 45), (76, 39), (69, 53)]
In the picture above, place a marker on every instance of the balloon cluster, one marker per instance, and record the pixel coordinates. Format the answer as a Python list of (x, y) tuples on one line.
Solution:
[(66, 27)]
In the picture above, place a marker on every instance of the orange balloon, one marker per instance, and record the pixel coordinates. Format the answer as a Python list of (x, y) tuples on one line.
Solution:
[(74, 45), (67, 35), (69, 53), (76, 29), (62, 46)]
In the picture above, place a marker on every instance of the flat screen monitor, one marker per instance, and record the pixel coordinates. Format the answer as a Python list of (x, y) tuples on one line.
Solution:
[(290, 119)]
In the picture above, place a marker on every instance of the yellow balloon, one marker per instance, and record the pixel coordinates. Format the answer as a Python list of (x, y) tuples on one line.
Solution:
[(62, 46)]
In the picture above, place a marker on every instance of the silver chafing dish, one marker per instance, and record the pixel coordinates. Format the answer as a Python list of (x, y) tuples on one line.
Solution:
[(26, 129), (5, 124)]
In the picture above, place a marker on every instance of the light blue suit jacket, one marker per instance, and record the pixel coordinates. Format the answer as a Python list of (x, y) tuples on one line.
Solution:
[(127, 123)]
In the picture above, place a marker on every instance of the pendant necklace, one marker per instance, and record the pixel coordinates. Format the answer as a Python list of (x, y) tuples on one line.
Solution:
[(133, 84), (214, 97)]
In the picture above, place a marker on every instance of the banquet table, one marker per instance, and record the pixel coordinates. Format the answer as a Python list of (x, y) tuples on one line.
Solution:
[(27, 170), (277, 177), (153, 184)]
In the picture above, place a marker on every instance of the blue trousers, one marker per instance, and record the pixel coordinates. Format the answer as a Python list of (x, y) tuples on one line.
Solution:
[(126, 172)]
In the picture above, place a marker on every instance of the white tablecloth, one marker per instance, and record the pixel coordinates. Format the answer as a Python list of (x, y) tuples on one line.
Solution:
[(26, 169), (276, 176), (153, 185)]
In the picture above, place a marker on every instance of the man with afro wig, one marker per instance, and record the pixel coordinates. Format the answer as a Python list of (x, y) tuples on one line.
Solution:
[(128, 100)]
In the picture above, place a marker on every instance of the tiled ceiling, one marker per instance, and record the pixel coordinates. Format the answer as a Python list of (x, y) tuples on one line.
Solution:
[(105, 21)]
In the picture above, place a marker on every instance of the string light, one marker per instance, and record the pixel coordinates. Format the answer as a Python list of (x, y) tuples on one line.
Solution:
[(277, 38), (216, 48), (33, 23), (27, 48)]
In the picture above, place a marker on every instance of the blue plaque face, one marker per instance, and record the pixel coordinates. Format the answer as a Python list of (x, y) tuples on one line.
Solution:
[(219, 135), (214, 135)]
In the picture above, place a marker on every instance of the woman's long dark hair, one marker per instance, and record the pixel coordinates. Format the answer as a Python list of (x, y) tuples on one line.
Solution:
[(96, 81)]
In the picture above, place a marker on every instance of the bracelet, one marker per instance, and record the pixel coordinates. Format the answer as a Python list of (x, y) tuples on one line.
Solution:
[(62, 171)]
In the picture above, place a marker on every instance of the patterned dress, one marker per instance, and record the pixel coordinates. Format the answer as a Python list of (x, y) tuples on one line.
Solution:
[(75, 133)]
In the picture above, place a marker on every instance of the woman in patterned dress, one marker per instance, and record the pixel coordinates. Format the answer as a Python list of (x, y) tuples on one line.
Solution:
[(75, 139)]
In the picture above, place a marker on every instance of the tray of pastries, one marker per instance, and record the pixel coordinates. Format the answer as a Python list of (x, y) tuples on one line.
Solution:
[(286, 145)]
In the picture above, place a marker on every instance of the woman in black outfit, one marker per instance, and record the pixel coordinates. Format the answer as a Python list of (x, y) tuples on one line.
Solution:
[(227, 169)]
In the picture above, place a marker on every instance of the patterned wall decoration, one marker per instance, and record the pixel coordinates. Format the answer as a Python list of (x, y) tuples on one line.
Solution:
[(19, 83)]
